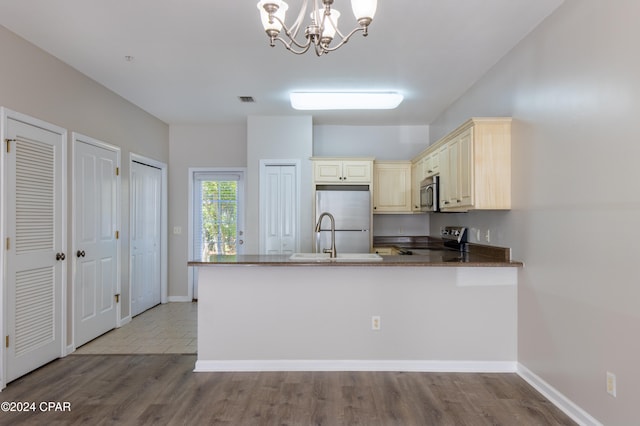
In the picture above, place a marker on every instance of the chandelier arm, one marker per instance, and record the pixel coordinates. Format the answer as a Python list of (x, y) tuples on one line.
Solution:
[(290, 48), (297, 24), (344, 40), (291, 35)]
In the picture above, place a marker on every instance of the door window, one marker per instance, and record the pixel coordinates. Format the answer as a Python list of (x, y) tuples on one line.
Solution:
[(217, 224)]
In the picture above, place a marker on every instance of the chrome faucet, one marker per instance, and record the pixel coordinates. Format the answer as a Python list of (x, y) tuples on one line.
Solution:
[(332, 250)]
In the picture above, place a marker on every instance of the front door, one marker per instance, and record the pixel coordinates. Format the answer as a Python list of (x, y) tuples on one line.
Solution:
[(34, 252), (96, 250), (218, 212)]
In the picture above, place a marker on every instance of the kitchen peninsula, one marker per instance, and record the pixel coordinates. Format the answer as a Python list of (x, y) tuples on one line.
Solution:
[(402, 313)]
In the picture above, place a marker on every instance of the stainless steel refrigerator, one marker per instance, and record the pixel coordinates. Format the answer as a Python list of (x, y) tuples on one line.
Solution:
[(351, 208)]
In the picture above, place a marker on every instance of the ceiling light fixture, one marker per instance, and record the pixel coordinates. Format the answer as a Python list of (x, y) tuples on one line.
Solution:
[(344, 100), (322, 29)]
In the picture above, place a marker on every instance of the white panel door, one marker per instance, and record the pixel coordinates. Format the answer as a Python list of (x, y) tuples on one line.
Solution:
[(146, 187), (280, 210), (35, 271), (96, 207)]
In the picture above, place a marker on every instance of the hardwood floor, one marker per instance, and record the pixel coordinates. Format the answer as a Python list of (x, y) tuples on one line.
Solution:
[(162, 389)]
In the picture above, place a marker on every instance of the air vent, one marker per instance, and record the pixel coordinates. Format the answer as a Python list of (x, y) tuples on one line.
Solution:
[(246, 99)]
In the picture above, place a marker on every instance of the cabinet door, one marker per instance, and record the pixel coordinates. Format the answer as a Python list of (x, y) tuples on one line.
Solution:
[(454, 173), (327, 171), (456, 183), (356, 171), (431, 164), (465, 169), (416, 177), (435, 164), (428, 165), (392, 188)]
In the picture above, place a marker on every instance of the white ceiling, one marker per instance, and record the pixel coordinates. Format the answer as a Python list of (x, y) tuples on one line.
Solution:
[(193, 58)]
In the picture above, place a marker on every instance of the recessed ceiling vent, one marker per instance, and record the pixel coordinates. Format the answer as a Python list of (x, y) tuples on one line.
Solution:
[(246, 99)]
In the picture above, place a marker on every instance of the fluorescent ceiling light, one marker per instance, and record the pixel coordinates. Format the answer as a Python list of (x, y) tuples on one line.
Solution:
[(345, 100)]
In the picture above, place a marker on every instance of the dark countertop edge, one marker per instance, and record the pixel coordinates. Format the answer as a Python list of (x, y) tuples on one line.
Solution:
[(385, 262)]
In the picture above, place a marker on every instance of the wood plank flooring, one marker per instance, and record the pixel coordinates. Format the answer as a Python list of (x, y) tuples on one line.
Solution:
[(164, 390)]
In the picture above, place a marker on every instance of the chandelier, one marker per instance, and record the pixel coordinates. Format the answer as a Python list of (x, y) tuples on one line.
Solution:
[(322, 28)]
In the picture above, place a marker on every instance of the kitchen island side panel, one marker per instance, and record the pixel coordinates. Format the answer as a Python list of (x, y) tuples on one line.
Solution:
[(323, 313)]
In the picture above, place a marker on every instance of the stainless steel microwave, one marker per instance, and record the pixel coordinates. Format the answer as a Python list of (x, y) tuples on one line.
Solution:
[(429, 194)]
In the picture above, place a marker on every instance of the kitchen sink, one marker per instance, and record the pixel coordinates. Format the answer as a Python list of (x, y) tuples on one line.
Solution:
[(342, 257)]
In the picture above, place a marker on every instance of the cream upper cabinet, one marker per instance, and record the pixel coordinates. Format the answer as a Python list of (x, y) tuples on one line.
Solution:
[(475, 166), (392, 187), (416, 177), (431, 164), (342, 171)]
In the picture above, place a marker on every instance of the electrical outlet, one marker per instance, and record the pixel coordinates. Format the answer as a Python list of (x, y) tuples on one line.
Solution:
[(611, 384), (177, 230), (375, 322)]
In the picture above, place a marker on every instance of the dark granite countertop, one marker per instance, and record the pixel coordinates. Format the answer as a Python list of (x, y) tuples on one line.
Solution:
[(427, 251), (427, 244)]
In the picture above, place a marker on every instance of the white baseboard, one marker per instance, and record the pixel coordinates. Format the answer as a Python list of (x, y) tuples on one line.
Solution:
[(70, 349), (179, 299), (558, 399), (124, 321), (357, 365)]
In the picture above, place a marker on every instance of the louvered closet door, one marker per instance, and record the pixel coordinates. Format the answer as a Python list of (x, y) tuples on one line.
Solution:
[(35, 227)]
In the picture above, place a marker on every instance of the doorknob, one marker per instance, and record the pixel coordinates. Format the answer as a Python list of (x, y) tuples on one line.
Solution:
[(80, 253), (60, 256)]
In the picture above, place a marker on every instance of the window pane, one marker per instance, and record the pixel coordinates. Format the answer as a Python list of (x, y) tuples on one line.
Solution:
[(218, 218)]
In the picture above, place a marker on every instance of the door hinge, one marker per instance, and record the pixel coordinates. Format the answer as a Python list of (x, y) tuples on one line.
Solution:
[(118, 298), (8, 243), (9, 144), (117, 171), (117, 235), (6, 341)]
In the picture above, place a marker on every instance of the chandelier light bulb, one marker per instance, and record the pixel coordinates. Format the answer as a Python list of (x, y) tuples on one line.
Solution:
[(364, 10), (275, 8), (330, 25)]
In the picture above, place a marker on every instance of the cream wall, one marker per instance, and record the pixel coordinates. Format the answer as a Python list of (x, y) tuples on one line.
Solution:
[(35, 83), (573, 89), (195, 146)]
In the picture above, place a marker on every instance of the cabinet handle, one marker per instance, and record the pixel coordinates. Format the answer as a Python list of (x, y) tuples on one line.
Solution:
[(80, 253), (60, 256), (374, 207)]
